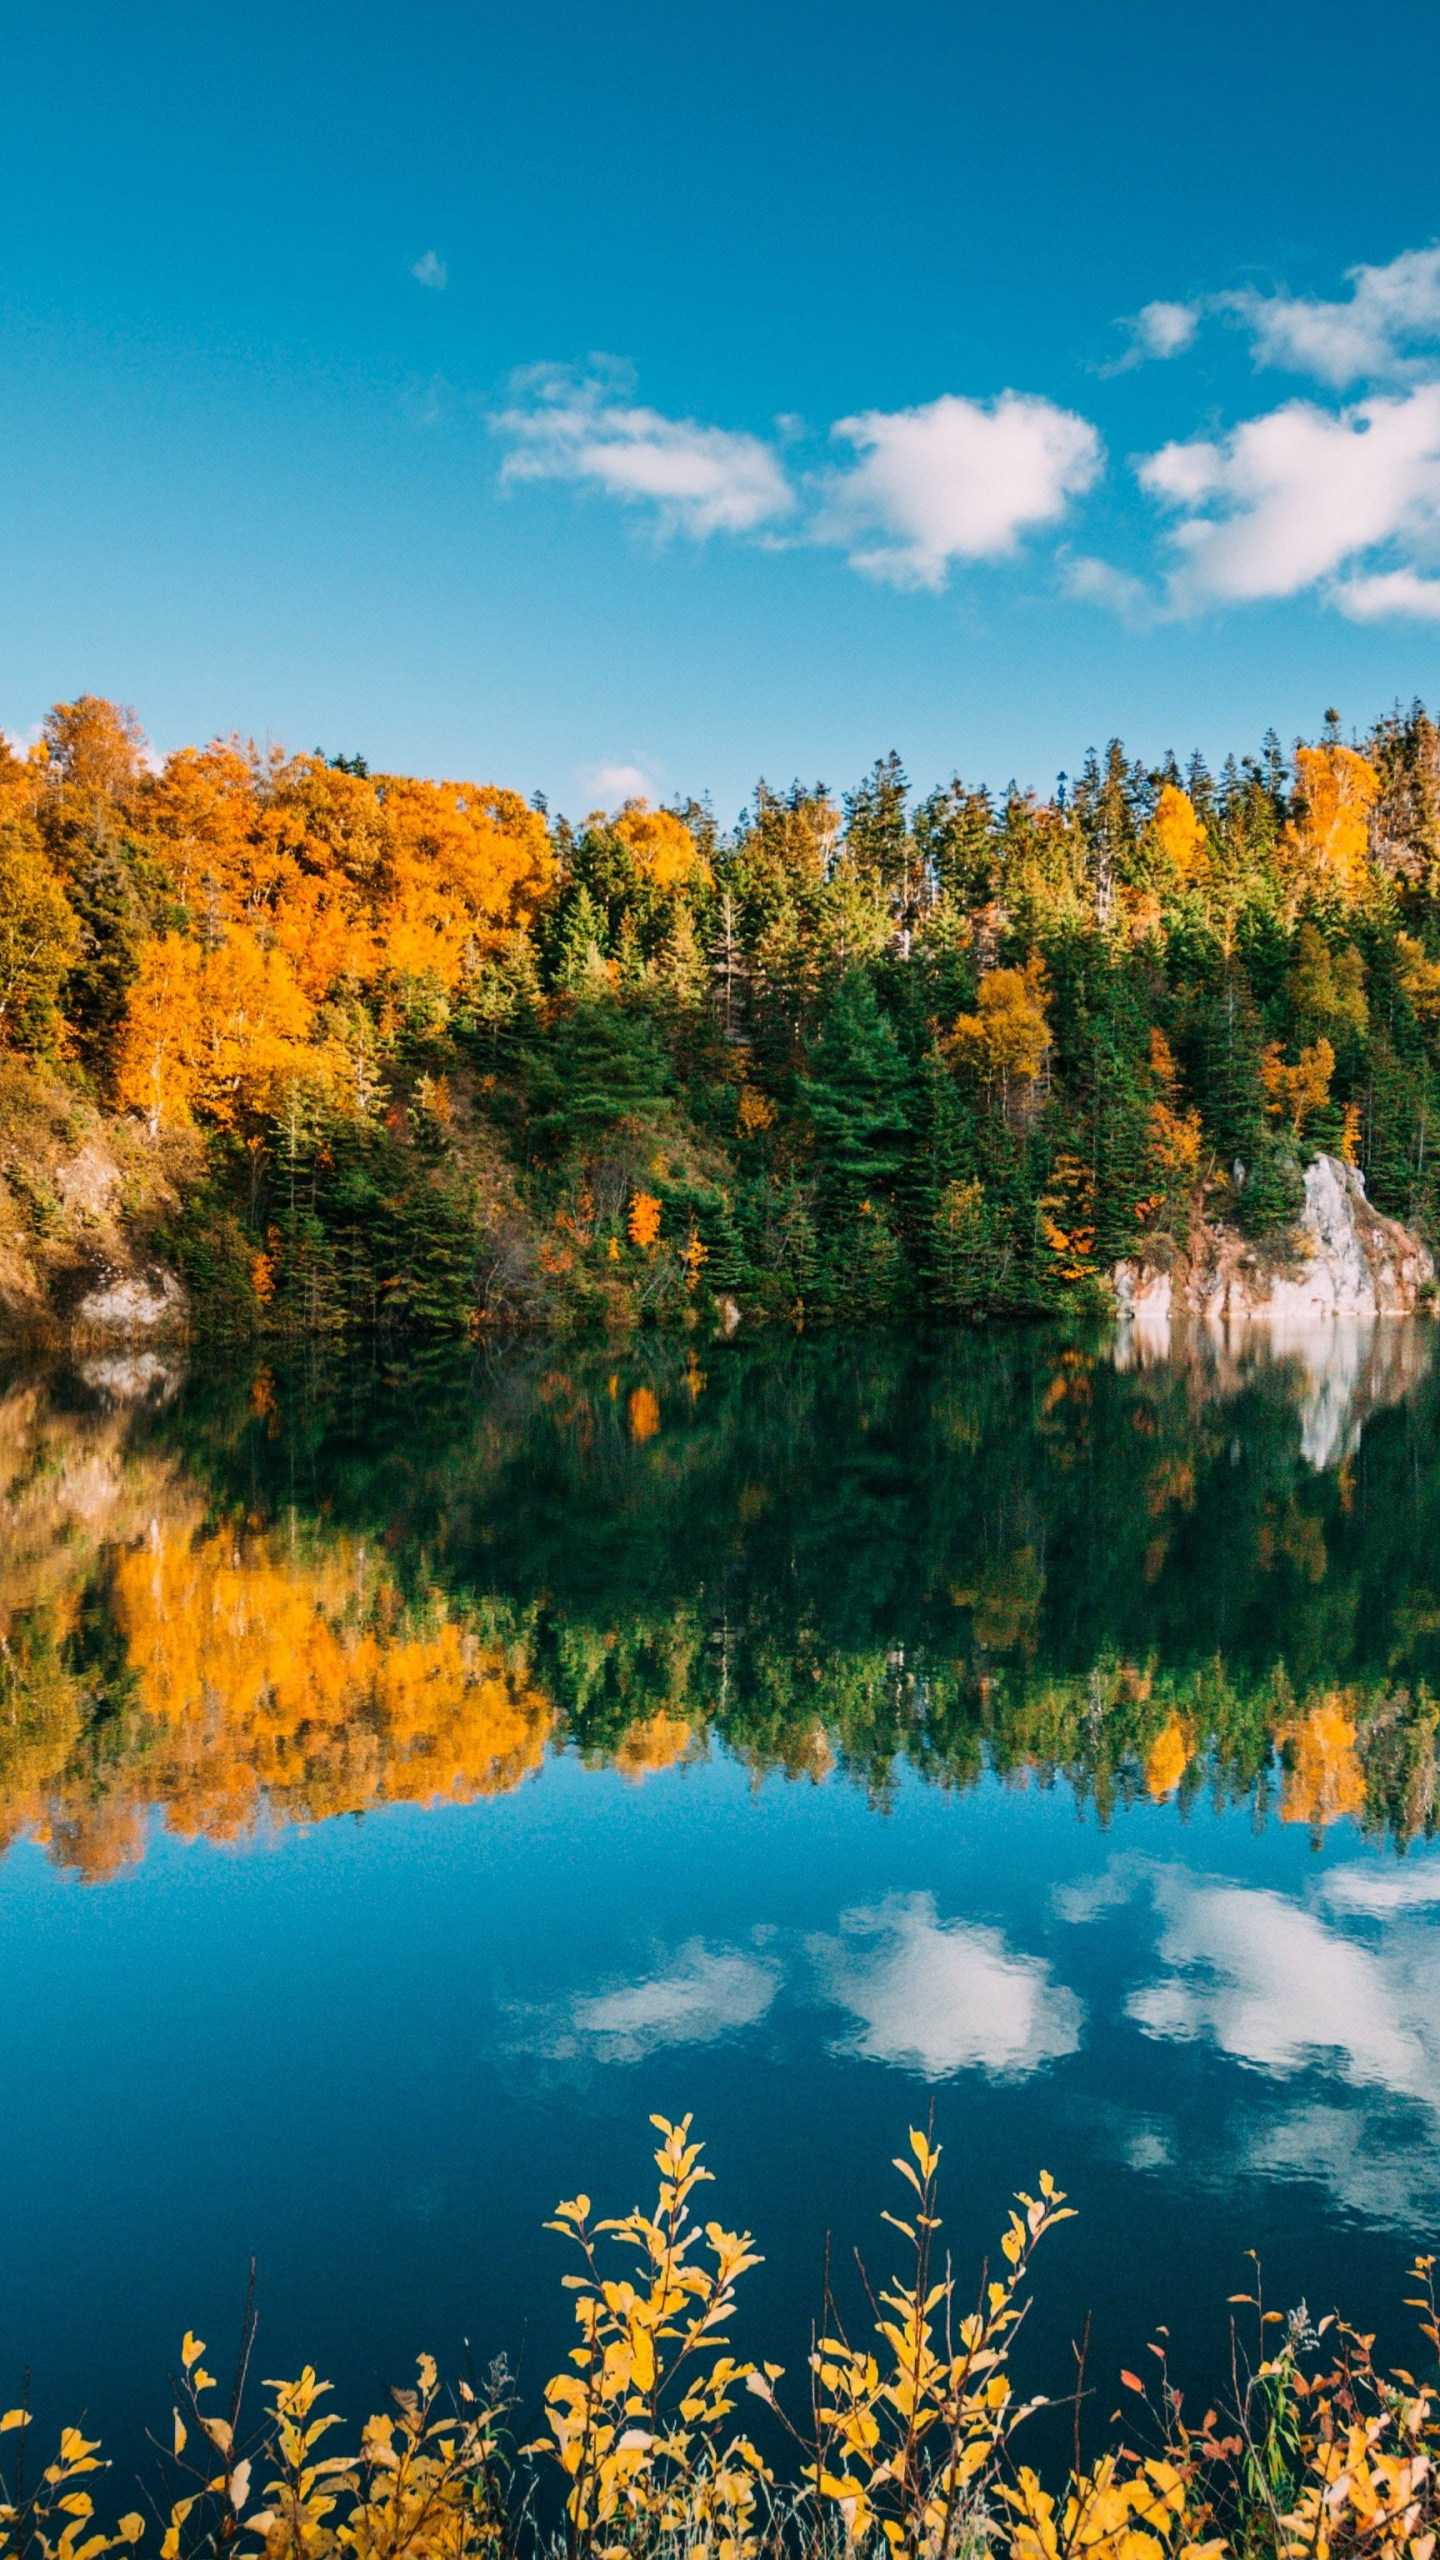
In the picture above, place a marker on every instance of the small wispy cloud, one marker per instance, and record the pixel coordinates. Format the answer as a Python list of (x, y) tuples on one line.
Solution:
[(1165, 329), (1382, 329), (1386, 329), (431, 271), (1390, 594), (1157, 332), (695, 479), (428, 404), (701, 1995), (612, 784), (1093, 581)]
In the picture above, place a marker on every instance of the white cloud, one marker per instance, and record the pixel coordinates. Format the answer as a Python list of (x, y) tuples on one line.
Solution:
[(1267, 1981), (1165, 329), (614, 783), (1110, 1889), (1374, 1892), (1367, 2155), (1160, 330), (431, 271), (1392, 312), (1390, 592), (1100, 582), (939, 1997), (706, 1993), (1291, 1990), (699, 480), (954, 480), (1290, 499)]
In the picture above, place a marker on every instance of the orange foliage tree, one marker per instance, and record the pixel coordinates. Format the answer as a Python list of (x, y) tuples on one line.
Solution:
[(1297, 1093)]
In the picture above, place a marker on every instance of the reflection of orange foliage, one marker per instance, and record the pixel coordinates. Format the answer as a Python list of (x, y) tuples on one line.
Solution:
[(1297, 1536), (1168, 1760), (1324, 1781), (656, 1744), (297, 1682), (644, 1411)]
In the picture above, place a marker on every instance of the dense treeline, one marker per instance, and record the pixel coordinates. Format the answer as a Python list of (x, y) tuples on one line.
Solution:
[(443, 1060)]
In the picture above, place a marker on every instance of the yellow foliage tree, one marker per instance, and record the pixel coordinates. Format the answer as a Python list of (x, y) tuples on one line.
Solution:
[(1008, 1037), (1175, 1135), (94, 761), (1419, 976), (212, 1032), (644, 1220), (467, 863), (39, 939), (201, 817), (1181, 836), (1167, 1760), (298, 1682), (1328, 847), (1297, 1093), (661, 846)]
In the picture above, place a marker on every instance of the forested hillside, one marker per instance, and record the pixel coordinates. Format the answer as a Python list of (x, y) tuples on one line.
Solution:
[(365, 1047)]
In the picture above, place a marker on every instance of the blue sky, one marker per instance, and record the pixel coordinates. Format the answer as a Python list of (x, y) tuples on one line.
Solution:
[(562, 395)]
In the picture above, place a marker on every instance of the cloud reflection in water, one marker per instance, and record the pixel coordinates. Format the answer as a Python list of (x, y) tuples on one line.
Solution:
[(937, 1997)]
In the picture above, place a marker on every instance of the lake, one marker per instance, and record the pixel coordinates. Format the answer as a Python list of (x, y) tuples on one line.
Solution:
[(414, 1774)]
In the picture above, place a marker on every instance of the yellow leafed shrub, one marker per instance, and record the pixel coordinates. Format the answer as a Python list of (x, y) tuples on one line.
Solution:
[(902, 2446)]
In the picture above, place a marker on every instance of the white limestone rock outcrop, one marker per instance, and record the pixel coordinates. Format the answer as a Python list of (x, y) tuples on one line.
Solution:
[(131, 1306), (1343, 1261)]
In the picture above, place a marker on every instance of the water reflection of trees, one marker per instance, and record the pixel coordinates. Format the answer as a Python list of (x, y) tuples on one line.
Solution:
[(1155, 1573)]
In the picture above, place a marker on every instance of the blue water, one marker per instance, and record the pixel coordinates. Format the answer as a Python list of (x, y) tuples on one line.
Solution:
[(372, 2051)]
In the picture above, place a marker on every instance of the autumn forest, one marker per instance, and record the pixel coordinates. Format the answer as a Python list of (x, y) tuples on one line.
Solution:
[(376, 1049)]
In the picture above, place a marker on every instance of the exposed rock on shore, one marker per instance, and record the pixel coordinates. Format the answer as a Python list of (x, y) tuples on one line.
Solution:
[(81, 1199), (1342, 1260)]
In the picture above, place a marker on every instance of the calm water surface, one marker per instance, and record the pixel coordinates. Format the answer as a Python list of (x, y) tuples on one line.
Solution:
[(408, 1781)]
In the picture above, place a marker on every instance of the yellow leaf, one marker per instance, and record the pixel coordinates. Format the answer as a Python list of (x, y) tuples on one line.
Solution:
[(14, 2418)]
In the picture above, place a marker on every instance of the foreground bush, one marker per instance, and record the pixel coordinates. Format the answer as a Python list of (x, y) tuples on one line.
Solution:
[(901, 2444)]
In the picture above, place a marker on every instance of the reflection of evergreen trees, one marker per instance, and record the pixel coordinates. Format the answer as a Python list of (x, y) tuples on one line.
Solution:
[(995, 1549)]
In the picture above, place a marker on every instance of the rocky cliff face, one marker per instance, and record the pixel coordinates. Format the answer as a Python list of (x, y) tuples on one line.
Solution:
[(1344, 1260), (80, 1199)]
